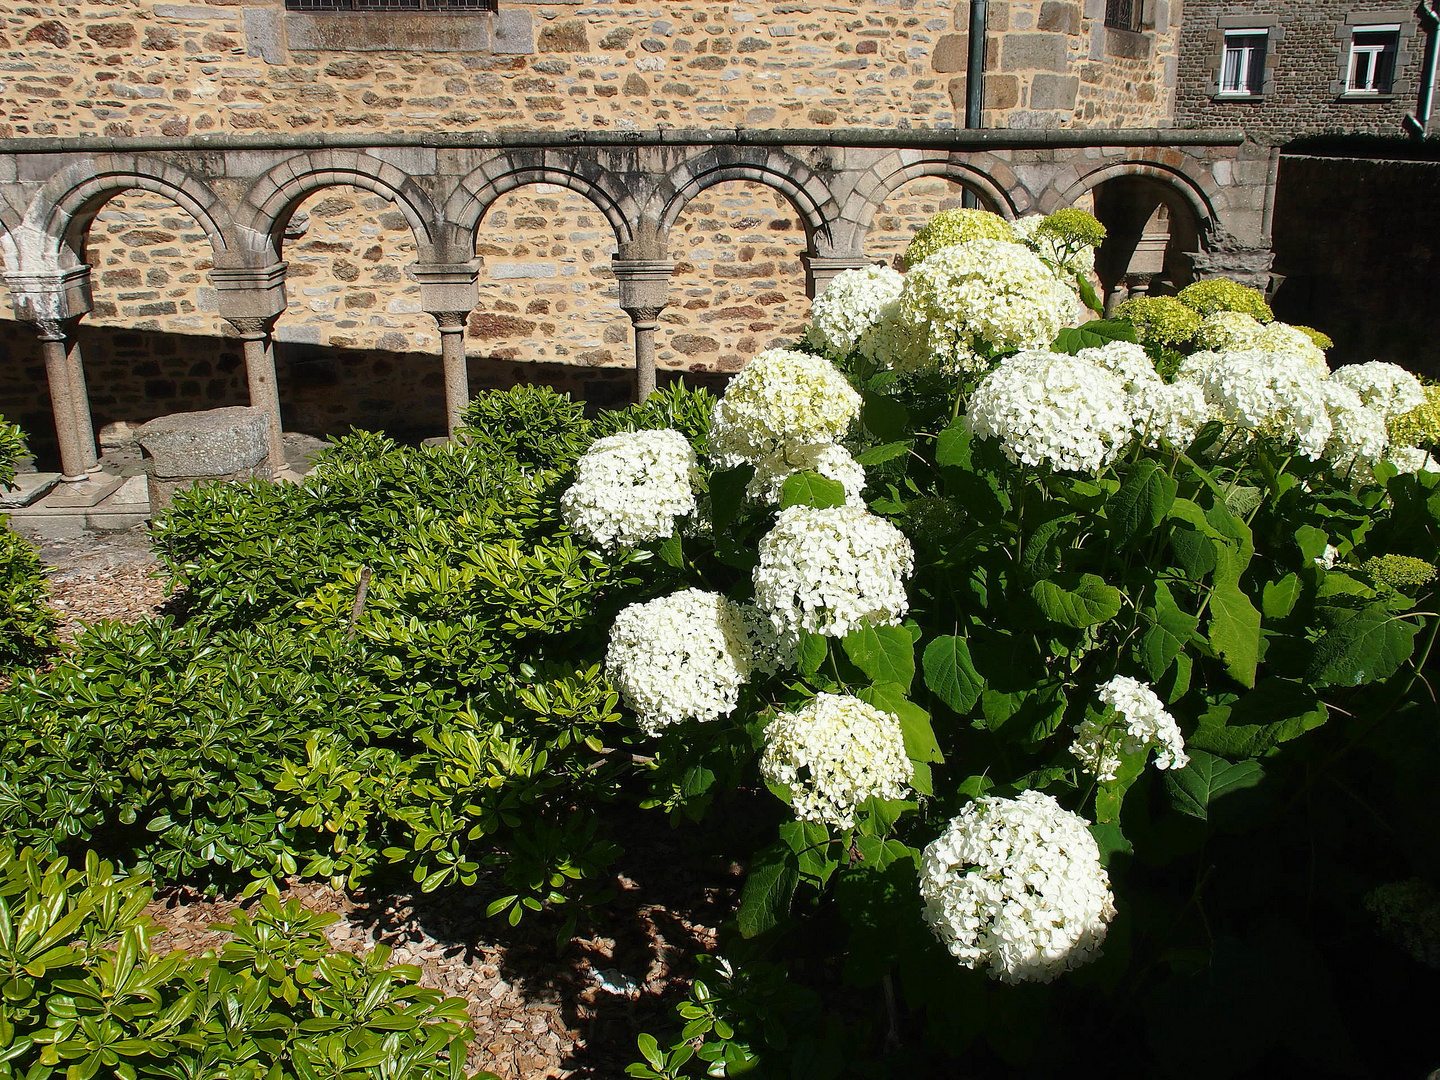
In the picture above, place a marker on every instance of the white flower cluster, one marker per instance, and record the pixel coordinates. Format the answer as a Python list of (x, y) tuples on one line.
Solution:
[(1049, 408), (1016, 885), (852, 304), (833, 754), (831, 570), (683, 657), (630, 487), (1357, 432), (968, 296), (832, 461), (1099, 744), (1174, 412), (1387, 388), (1051, 249), (1236, 331), (782, 400), (1126, 361), (1275, 394), (1411, 459)]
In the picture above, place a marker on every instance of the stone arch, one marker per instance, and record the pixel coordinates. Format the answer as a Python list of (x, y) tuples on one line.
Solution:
[(800, 185), (1189, 181), (983, 173), (273, 197), (65, 206), (466, 208)]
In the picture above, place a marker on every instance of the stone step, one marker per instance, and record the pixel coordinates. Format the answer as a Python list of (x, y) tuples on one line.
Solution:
[(81, 494), (29, 487)]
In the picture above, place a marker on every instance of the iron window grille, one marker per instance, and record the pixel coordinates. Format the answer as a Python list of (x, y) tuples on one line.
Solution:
[(390, 5), (1242, 70), (1124, 14), (1373, 51)]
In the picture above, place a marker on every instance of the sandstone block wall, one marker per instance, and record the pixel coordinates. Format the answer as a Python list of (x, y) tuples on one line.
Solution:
[(138, 67), (1309, 51)]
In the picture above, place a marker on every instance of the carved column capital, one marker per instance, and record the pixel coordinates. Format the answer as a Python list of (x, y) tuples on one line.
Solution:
[(54, 329), (450, 322), (252, 327), (645, 318)]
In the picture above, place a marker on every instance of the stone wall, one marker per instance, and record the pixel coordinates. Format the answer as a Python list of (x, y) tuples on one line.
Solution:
[(1308, 56), (1357, 243), (135, 67)]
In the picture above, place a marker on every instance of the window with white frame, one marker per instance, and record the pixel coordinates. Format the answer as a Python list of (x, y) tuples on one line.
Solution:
[(1373, 51), (1242, 69)]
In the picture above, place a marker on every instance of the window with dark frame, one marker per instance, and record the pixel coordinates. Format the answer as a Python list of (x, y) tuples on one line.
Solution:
[(1373, 51), (390, 5), (1242, 68), (1124, 14)]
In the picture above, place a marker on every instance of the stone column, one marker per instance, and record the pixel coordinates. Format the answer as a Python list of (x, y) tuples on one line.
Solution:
[(448, 294), (820, 270), (251, 299), (259, 346), (53, 302), (644, 293)]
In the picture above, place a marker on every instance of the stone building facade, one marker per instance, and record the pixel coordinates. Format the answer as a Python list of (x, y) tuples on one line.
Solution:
[(1307, 77)]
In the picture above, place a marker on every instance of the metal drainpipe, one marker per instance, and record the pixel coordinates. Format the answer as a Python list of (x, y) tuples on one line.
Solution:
[(1416, 123), (975, 78)]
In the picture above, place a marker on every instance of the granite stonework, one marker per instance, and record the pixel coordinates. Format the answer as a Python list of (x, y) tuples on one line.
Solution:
[(181, 449)]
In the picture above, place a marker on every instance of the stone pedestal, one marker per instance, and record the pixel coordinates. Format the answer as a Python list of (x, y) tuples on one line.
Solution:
[(219, 444)]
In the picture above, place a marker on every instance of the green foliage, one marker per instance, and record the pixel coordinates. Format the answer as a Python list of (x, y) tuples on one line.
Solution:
[(86, 996), (1161, 321), (532, 425), (27, 623), (1222, 294), (12, 447), (956, 227), (1322, 341), (676, 406), (1421, 425), (1074, 228)]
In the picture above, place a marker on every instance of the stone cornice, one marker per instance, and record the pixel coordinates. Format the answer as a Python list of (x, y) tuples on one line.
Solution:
[(891, 138)]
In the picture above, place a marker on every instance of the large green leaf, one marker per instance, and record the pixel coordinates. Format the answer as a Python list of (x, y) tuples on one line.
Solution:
[(1171, 630), (1093, 335), (1142, 502), (769, 888), (1276, 711), (953, 446), (884, 653), (1368, 646), (884, 416), (1278, 598), (950, 673), (1089, 603), (876, 454), (727, 493), (1235, 631), (921, 746), (1195, 788), (806, 488), (811, 652), (1044, 547)]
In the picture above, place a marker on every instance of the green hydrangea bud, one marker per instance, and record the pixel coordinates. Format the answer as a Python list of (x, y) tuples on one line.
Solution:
[(1322, 341), (956, 227), (1403, 573), (1421, 425), (1160, 320), (1222, 294), (1074, 227)]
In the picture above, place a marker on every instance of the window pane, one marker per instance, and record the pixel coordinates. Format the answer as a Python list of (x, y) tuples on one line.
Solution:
[(1243, 71)]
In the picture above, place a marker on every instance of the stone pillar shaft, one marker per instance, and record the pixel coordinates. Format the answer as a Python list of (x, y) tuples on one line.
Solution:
[(448, 293), (644, 293), (77, 442), (260, 376), (251, 299)]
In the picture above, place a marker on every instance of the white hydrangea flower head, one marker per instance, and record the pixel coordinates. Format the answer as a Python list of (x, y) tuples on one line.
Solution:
[(1141, 723), (1279, 337), (851, 306), (1016, 886), (1327, 559), (1174, 412), (783, 399), (831, 461), (630, 488), (683, 657), (1387, 388), (1049, 408), (831, 570), (1358, 432), (1411, 459), (1229, 331), (984, 292), (833, 753), (1275, 394), (1125, 360)]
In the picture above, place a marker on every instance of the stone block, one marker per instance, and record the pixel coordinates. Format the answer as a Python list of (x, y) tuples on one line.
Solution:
[(1002, 91), (216, 442), (952, 52), (28, 488), (265, 34), (1032, 52), (383, 31), (567, 36), (1059, 18), (1054, 91), (513, 33)]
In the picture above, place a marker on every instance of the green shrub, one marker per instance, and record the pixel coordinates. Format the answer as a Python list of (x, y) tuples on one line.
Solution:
[(1222, 294), (676, 406), (27, 623), (532, 425), (12, 447), (85, 996)]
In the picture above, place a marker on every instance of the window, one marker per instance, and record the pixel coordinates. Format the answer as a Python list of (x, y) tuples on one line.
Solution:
[(1373, 51), (1242, 69), (1124, 14)]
